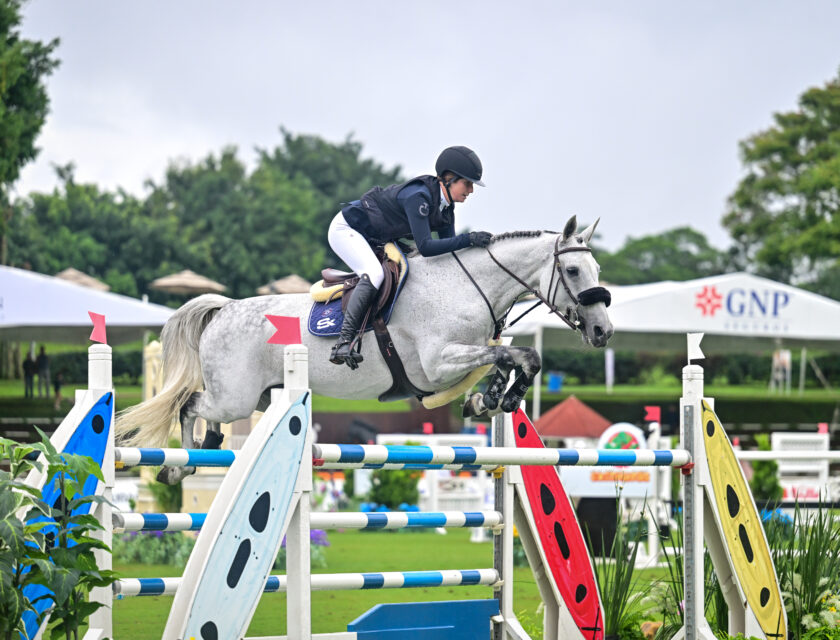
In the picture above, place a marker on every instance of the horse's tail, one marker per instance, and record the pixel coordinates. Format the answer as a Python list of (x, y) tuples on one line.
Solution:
[(149, 422)]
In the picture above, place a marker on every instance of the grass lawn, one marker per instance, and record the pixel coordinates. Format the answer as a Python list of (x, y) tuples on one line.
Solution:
[(349, 551)]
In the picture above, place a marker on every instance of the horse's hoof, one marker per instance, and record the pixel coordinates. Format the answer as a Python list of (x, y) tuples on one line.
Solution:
[(491, 401), (474, 407), (212, 440), (511, 404), (174, 475)]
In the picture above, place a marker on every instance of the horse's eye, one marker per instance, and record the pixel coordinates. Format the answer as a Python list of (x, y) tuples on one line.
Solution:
[(572, 271)]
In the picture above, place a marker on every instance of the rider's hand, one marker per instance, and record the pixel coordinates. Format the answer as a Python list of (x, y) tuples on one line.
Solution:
[(480, 238)]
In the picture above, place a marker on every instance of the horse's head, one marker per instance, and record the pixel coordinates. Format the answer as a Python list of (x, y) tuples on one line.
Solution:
[(570, 283)]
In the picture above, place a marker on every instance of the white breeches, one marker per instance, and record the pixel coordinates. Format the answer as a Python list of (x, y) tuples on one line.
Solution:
[(351, 246)]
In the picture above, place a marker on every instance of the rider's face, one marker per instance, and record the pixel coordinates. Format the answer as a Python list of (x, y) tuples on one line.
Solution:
[(460, 189)]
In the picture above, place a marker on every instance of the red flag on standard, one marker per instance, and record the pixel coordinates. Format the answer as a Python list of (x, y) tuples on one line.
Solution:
[(288, 330), (653, 414), (98, 333)]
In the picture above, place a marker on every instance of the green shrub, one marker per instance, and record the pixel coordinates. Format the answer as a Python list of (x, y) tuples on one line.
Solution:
[(823, 633), (765, 480), (393, 488), (153, 547), (127, 366)]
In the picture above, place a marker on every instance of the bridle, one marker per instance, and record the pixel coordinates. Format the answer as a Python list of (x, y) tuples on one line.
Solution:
[(585, 298)]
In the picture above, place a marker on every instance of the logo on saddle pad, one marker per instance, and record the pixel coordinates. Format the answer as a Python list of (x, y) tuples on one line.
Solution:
[(325, 323)]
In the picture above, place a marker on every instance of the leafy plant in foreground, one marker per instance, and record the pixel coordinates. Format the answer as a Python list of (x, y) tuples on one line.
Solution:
[(807, 565), (48, 545), (623, 597)]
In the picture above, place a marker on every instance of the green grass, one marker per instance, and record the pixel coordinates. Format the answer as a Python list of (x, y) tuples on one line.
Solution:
[(334, 405), (350, 551)]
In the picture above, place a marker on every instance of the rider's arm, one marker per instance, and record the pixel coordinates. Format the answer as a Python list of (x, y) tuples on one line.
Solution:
[(447, 232), (417, 206)]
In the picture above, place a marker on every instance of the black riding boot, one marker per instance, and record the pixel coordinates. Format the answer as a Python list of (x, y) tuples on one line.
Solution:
[(361, 298)]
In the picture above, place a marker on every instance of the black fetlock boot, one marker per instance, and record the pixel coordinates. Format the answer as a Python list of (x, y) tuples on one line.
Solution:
[(361, 298)]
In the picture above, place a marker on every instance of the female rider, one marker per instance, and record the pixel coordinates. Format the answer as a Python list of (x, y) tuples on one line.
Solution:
[(413, 208)]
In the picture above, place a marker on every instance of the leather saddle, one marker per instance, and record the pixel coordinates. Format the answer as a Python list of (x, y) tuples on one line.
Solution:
[(336, 283)]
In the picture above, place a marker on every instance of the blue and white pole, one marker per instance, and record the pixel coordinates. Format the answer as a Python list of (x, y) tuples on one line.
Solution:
[(334, 520), (143, 457), (129, 587), (343, 456)]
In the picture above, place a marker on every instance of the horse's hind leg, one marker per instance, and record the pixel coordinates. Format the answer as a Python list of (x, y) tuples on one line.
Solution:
[(212, 440)]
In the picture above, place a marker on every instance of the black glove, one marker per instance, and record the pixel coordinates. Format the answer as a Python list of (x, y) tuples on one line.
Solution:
[(480, 238)]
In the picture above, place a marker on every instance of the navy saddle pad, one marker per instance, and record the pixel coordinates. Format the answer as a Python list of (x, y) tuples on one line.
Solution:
[(325, 318)]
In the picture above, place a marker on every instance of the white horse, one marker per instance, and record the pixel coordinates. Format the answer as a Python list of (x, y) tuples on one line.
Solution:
[(440, 327)]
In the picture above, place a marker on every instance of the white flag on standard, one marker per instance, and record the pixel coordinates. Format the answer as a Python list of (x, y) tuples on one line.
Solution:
[(694, 351)]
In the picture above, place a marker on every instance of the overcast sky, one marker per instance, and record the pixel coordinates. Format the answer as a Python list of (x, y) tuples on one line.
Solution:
[(631, 111)]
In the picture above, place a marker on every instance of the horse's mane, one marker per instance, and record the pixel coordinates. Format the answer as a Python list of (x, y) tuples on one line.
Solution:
[(507, 235)]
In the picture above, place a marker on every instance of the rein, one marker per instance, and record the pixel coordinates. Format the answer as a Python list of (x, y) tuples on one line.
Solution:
[(585, 298)]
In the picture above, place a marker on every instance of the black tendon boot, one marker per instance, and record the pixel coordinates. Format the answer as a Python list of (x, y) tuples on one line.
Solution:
[(361, 298)]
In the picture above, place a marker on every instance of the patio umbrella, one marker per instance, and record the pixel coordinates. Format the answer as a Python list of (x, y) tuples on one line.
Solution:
[(290, 284), (187, 282), (77, 277)]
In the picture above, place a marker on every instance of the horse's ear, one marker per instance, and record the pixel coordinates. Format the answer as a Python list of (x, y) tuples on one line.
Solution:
[(570, 228), (587, 233)]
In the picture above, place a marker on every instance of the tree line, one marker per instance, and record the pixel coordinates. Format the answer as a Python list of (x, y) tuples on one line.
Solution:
[(245, 228)]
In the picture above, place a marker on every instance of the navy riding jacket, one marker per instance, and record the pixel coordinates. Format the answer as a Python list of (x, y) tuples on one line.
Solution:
[(414, 208)]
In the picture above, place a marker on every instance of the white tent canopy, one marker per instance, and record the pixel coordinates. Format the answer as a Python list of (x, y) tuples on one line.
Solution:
[(737, 312), (34, 306)]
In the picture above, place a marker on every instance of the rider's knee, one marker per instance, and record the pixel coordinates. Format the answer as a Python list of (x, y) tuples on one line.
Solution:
[(377, 277)]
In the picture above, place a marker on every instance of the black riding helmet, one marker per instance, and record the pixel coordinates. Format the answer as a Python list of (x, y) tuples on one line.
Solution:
[(461, 161)]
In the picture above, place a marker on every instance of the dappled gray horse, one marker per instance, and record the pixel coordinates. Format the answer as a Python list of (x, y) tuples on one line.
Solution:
[(440, 327)]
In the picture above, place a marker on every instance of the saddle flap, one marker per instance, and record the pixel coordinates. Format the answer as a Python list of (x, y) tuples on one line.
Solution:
[(326, 315)]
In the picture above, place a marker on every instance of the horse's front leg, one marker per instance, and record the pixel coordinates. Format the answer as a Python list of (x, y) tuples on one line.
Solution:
[(530, 363), (459, 359)]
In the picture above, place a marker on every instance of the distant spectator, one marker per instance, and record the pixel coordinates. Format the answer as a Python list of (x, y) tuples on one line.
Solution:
[(58, 380), (29, 370), (43, 362)]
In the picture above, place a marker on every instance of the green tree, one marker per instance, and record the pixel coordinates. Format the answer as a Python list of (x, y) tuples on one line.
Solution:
[(23, 103), (111, 236), (785, 213), (238, 229), (678, 254), (211, 216), (336, 172)]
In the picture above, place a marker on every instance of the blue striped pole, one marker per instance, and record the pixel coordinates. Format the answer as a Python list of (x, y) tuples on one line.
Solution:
[(158, 521), (129, 587), (353, 456), (364, 521), (134, 457)]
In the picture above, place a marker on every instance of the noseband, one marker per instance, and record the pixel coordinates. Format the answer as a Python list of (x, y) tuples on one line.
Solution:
[(585, 298)]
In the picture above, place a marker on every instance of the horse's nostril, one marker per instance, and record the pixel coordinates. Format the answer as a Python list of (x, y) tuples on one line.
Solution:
[(598, 331)]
